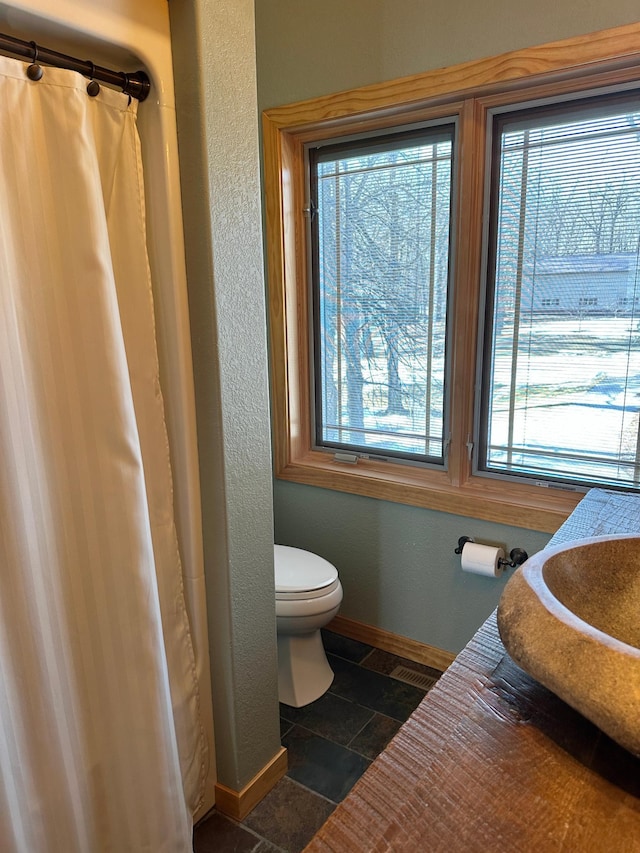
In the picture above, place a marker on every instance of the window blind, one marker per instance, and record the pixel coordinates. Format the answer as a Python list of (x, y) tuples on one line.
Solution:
[(561, 389)]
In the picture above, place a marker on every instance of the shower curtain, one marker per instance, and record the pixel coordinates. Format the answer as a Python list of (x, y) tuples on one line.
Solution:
[(101, 744)]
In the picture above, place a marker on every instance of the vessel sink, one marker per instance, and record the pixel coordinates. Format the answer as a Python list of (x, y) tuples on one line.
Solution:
[(570, 617)]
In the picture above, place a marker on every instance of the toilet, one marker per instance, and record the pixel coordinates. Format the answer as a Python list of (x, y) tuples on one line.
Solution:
[(308, 596)]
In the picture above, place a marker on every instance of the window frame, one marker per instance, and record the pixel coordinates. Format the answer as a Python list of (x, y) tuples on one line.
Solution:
[(470, 93), (444, 130), (587, 104)]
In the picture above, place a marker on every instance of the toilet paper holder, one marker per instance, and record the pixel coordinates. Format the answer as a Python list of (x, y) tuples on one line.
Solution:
[(517, 556)]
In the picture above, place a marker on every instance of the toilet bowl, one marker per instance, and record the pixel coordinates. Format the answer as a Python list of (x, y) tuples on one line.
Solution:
[(308, 596)]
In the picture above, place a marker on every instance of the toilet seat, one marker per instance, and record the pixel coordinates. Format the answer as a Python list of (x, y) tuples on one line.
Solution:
[(301, 575), (307, 594)]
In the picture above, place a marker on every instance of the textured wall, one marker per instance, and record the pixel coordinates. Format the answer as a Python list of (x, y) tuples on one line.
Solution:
[(310, 49), (214, 61), (396, 562)]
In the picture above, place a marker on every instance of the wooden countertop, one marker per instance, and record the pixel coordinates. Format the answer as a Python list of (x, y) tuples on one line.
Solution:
[(491, 761)]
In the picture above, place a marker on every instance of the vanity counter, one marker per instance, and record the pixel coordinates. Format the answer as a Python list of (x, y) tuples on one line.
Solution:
[(493, 762)]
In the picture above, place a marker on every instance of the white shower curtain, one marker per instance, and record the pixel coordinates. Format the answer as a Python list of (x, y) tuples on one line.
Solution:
[(101, 745)]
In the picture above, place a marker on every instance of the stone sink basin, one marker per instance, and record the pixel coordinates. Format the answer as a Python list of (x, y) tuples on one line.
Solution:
[(570, 617)]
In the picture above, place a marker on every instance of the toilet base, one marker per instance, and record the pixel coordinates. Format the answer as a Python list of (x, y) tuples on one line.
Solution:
[(304, 674)]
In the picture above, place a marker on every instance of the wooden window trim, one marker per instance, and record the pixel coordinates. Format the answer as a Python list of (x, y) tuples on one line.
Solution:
[(469, 91)]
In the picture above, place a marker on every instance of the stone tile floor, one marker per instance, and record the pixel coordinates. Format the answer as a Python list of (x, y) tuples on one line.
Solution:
[(330, 744)]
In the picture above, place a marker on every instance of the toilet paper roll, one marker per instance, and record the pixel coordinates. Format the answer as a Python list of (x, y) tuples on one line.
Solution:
[(482, 560)]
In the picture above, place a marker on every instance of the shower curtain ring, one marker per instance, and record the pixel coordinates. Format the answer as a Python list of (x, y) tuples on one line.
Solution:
[(34, 71), (93, 87), (126, 82)]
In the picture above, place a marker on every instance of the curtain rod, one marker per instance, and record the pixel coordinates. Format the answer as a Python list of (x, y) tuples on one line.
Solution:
[(136, 84)]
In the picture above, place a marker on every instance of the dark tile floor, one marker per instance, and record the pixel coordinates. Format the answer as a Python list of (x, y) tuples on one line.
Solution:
[(330, 743)]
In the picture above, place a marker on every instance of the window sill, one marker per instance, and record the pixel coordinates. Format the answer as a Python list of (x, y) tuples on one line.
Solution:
[(517, 504)]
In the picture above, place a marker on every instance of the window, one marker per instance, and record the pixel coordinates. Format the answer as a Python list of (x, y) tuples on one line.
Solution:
[(565, 218), (380, 247), (452, 283)]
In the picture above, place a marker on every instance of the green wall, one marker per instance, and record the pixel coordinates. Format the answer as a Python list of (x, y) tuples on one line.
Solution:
[(396, 563), (215, 76), (307, 49)]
